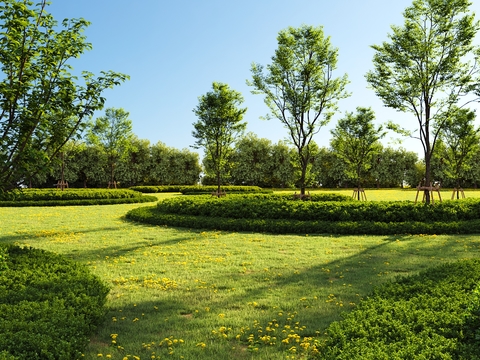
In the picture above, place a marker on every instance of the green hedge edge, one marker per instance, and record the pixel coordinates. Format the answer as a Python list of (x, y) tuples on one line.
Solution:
[(81, 202), (150, 215)]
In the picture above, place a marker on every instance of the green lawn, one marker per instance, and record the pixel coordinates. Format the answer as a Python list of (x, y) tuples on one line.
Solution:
[(184, 294)]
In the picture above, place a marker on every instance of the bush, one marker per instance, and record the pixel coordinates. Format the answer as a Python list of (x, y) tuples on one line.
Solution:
[(54, 197), (281, 214), (434, 315), (233, 189), (49, 305)]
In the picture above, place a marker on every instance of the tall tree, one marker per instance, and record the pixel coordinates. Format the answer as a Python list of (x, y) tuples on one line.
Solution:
[(251, 161), (41, 104), (299, 86), (113, 132), (356, 140), (461, 141), (219, 124), (424, 68)]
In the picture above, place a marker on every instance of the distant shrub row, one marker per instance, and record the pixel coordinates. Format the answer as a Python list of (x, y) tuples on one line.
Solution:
[(435, 315), (280, 214), (194, 189), (54, 197), (49, 306)]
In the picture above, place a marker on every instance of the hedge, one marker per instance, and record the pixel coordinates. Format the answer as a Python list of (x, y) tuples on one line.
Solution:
[(434, 315), (197, 189), (49, 305), (53, 197), (275, 207), (274, 214)]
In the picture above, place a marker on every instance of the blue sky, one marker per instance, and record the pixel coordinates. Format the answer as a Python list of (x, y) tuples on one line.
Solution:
[(174, 50)]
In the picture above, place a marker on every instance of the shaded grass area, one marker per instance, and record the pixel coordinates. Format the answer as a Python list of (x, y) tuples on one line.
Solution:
[(177, 293)]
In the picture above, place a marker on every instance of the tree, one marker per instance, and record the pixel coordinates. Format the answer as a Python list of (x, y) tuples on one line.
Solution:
[(299, 86), (356, 140), (41, 104), (219, 124), (461, 141), (424, 68), (390, 168), (112, 132), (133, 168), (251, 161)]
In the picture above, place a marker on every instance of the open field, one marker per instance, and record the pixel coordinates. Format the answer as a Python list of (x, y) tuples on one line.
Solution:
[(184, 294)]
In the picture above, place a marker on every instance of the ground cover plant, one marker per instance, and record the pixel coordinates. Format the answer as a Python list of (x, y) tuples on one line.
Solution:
[(56, 197), (49, 306), (433, 315), (194, 294), (322, 213)]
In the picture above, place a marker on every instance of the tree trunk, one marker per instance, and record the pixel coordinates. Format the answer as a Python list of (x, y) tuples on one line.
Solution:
[(218, 183)]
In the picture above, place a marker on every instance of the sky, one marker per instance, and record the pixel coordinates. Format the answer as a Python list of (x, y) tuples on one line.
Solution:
[(174, 50)]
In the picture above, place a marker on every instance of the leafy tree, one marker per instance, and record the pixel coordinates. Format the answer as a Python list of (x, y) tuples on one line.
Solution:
[(356, 141), (42, 105), (461, 141), (282, 170), (391, 166), (91, 161), (251, 161), (299, 86), (170, 166), (219, 124), (133, 168), (329, 169), (113, 133), (424, 68)]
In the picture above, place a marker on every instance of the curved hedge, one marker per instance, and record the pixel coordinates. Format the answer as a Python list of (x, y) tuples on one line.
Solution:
[(49, 305), (197, 189), (54, 197), (434, 315), (281, 214)]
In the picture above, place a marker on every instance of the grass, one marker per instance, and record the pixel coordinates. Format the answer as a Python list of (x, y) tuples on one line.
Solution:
[(182, 294)]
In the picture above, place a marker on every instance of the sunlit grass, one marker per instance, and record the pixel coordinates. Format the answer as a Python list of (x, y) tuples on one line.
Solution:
[(177, 293)]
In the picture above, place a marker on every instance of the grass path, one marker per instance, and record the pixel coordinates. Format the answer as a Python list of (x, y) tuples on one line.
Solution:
[(181, 294)]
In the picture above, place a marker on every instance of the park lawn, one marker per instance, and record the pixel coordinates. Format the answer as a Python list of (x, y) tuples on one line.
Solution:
[(188, 294)]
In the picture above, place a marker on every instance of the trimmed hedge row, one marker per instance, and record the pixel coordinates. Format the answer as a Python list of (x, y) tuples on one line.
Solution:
[(151, 215), (275, 207), (53, 197), (49, 305), (68, 194), (434, 315), (196, 189)]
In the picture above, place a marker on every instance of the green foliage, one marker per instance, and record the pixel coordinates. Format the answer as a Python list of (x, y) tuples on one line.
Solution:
[(232, 189), (433, 315), (219, 124), (54, 197), (49, 306), (299, 88), (425, 67), (282, 214), (113, 133), (356, 141), (42, 103)]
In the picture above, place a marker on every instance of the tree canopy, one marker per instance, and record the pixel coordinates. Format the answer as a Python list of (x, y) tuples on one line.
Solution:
[(299, 87), (219, 124), (425, 67), (42, 104)]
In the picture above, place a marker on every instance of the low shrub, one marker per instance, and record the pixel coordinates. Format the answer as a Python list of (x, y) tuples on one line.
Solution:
[(281, 214), (283, 207), (231, 189), (54, 197), (150, 189), (49, 305), (434, 315)]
